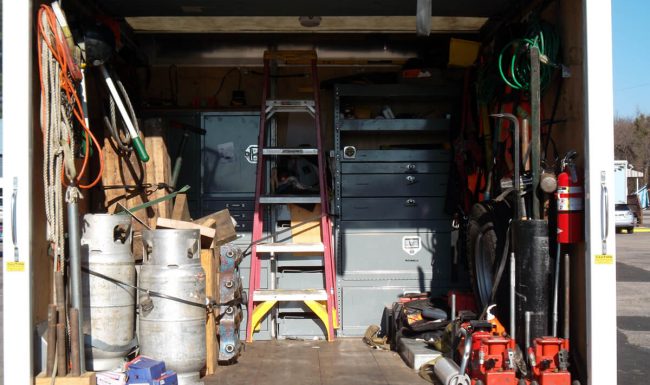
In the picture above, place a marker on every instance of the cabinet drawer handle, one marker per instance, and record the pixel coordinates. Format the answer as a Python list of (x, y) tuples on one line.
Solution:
[(410, 166), (235, 205), (410, 202), (410, 179)]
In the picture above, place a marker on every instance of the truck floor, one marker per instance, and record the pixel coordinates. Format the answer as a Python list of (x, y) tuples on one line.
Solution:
[(344, 361)]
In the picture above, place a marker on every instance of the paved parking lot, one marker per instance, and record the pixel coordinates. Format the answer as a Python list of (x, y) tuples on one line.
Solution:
[(633, 305)]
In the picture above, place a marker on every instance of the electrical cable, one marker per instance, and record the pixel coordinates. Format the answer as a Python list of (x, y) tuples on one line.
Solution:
[(53, 54), (223, 80)]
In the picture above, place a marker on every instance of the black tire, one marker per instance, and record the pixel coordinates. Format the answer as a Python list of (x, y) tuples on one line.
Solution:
[(630, 230), (619, 230), (481, 252)]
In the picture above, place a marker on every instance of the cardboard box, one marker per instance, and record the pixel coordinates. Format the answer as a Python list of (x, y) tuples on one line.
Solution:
[(111, 378), (142, 370), (168, 378)]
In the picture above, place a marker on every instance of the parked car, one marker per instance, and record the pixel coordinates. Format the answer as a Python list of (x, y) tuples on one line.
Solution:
[(624, 218)]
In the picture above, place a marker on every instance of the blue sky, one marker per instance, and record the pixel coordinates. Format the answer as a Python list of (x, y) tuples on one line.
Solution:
[(631, 56)]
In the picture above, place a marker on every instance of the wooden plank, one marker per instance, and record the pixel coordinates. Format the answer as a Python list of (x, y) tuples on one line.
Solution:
[(87, 378), (308, 232), (181, 210), (158, 169), (207, 233), (222, 223), (210, 265), (124, 173)]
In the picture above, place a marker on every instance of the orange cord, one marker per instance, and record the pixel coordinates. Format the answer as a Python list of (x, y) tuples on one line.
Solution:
[(60, 52)]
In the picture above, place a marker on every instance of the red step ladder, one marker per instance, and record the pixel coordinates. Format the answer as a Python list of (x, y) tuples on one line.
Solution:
[(323, 303)]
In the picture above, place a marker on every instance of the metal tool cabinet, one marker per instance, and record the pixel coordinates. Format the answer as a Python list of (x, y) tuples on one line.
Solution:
[(392, 233), (228, 163)]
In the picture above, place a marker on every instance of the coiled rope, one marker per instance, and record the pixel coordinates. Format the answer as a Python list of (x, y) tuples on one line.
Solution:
[(60, 108)]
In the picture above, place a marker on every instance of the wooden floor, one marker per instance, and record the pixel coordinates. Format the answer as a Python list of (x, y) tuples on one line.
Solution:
[(343, 362)]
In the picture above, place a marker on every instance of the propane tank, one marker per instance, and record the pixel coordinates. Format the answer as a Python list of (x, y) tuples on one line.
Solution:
[(170, 330), (108, 308), (570, 202)]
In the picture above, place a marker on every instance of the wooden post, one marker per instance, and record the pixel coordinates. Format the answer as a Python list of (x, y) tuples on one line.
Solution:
[(181, 210), (210, 267), (62, 361), (75, 366), (51, 338)]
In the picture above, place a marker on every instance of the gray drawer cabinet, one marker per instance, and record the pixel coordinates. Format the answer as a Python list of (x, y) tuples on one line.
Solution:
[(396, 255), (397, 167), (395, 208), (389, 185), (392, 233)]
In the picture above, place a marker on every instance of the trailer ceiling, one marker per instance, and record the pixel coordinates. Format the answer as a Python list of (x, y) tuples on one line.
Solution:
[(148, 8), (281, 16)]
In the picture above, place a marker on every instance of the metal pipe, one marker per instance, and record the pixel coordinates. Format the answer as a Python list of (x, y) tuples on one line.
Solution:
[(179, 159), (536, 123), (567, 282), (517, 157), (74, 240), (556, 291), (466, 350), (447, 371), (527, 329), (525, 133), (453, 307), (512, 330)]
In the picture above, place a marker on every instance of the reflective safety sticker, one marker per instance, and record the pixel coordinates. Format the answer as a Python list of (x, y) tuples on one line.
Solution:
[(411, 244), (603, 259)]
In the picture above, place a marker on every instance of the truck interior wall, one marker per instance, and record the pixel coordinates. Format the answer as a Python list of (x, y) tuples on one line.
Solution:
[(197, 85), (42, 265), (571, 135)]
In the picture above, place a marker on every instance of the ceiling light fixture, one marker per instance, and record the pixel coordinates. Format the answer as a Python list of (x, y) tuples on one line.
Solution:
[(310, 21)]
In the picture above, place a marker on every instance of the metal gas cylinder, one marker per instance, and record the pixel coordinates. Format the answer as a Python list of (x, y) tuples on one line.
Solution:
[(171, 330), (108, 307)]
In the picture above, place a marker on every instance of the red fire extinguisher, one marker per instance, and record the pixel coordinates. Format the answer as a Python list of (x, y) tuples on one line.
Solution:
[(570, 198)]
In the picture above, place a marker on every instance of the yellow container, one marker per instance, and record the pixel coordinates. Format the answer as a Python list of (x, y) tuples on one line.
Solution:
[(463, 53)]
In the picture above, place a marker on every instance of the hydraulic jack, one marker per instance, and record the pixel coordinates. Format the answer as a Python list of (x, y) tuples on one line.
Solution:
[(549, 361), (492, 356)]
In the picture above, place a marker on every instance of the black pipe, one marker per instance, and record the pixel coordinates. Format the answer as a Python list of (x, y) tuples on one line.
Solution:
[(533, 277)]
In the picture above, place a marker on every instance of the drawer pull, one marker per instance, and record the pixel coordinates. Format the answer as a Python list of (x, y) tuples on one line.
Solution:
[(410, 166), (235, 205), (410, 179), (410, 202)]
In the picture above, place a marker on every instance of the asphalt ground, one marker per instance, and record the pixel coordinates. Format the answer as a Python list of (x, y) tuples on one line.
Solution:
[(633, 304)]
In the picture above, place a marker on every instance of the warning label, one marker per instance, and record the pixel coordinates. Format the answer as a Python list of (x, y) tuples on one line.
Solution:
[(411, 244), (15, 266), (604, 259)]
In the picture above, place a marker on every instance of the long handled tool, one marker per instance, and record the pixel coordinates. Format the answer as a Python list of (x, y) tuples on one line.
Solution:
[(135, 138)]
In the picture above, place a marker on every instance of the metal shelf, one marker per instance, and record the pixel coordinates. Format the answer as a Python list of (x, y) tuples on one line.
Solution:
[(395, 125), (395, 90)]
